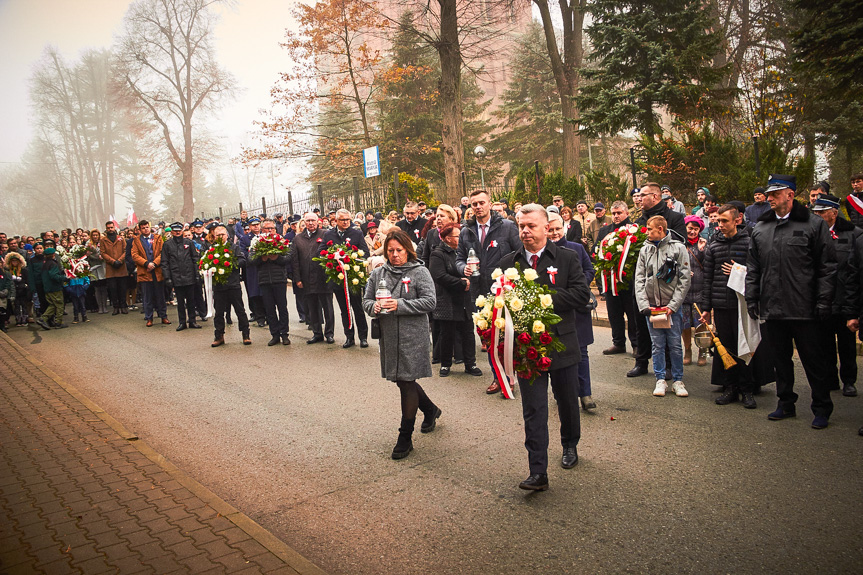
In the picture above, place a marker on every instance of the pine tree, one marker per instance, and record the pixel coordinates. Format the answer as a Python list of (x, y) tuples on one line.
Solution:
[(648, 54)]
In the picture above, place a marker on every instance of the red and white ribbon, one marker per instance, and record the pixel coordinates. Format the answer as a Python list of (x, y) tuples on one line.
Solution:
[(855, 203), (625, 254), (208, 291), (344, 271), (504, 368)]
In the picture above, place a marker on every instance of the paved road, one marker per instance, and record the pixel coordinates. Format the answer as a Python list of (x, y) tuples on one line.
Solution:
[(299, 439)]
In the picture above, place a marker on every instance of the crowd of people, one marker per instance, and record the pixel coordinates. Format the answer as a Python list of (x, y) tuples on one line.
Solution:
[(728, 276)]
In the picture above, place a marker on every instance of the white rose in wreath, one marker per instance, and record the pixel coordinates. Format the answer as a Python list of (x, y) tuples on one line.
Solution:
[(530, 274), (511, 274)]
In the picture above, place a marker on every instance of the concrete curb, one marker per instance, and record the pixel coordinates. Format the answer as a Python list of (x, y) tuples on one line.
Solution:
[(286, 553)]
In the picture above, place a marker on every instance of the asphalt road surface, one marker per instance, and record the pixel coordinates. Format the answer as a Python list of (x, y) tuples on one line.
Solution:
[(299, 438)]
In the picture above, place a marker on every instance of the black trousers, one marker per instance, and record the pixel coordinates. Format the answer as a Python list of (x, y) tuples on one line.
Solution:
[(738, 378), (534, 408), (840, 341), (300, 299), (620, 306), (645, 346), (808, 336), (256, 307), (185, 303), (360, 321), (318, 305), (223, 301), (117, 292), (450, 332), (275, 298), (200, 304)]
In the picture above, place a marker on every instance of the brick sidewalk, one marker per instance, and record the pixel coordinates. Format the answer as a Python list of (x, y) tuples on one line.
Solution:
[(80, 494)]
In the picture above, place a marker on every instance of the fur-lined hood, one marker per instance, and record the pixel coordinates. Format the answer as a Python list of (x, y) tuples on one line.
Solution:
[(13, 256)]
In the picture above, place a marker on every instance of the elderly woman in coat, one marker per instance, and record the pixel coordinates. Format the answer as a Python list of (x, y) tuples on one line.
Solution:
[(404, 328)]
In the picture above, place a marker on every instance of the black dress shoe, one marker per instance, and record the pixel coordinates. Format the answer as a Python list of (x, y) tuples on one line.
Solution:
[(181, 327), (536, 482), (444, 372), (570, 458), (849, 390), (348, 343), (115, 312), (614, 350), (286, 340), (636, 371), (275, 340), (316, 339), (330, 340), (364, 342), (473, 370), (194, 326)]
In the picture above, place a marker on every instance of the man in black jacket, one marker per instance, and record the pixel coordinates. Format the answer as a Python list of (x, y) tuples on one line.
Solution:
[(490, 237), (560, 269), (272, 280), (840, 340), (652, 205), (790, 282), (229, 294), (413, 223), (310, 277), (854, 201), (620, 305), (179, 267), (344, 233)]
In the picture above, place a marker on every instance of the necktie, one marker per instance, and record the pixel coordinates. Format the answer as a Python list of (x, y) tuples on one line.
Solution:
[(482, 233), (533, 259)]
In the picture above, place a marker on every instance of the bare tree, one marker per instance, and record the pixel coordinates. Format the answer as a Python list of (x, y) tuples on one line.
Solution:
[(167, 64)]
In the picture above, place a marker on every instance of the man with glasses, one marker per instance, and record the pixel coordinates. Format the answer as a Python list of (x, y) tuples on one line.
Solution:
[(272, 274), (310, 277), (413, 223), (619, 306), (345, 233)]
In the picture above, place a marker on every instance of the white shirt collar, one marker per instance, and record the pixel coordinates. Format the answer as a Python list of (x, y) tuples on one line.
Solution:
[(530, 254)]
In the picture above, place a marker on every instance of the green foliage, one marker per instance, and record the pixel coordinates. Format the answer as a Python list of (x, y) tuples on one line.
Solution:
[(550, 184), (648, 53), (530, 117), (606, 187), (416, 189)]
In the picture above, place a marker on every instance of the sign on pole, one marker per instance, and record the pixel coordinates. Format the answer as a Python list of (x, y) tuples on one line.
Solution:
[(371, 162)]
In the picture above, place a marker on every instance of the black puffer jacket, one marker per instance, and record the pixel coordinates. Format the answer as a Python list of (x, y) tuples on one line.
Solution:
[(845, 242), (676, 221), (180, 261), (233, 279), (273, 271), (791, 269), (715, 293), (452, 298)]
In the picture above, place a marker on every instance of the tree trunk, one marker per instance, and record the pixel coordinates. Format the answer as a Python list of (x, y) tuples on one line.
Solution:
[(451, 106), (188, 212)]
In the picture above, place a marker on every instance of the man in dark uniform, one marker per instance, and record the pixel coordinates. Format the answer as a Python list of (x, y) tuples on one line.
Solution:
[(652, 205), (413, 223), (343, 233), (621, 313), (790, 282), (180, 268), (310, 277), (839, 339), (572, 293), (253, 292)]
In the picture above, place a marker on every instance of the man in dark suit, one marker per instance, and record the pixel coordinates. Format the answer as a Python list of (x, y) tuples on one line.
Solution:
[(344, 232), (310, 277), (561, 270), (413, 223)]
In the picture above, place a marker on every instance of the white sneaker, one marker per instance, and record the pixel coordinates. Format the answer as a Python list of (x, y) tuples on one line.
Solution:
[(661, 386), (679, 390)]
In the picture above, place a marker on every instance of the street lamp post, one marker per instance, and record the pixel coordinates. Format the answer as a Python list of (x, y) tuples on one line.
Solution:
[(480, 153)]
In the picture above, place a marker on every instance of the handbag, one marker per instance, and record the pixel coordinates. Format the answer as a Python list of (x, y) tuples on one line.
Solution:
[(376, 328)]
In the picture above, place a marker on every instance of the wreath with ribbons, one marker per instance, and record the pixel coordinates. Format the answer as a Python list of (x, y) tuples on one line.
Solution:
[(616, 256)]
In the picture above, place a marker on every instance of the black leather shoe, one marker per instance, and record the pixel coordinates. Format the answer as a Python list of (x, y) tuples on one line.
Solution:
[(473, 370), (749, 401), (181, 327), (444, 372), (614, 350), (330, 340), (316, 339), (536, 482), (849, 391), (364, 343), (728, 396), (275, 341), (636, 371), (570, 458), (286, 340), (194, 326), (347, 344), (115, 312)]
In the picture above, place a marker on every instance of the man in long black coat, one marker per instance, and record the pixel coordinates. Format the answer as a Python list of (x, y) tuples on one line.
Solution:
[(180, 269), (561, 270), (310, 277), (343, 233)]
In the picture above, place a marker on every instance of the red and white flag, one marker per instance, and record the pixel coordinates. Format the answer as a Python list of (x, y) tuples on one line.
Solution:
[(131, 219), (116, 223)]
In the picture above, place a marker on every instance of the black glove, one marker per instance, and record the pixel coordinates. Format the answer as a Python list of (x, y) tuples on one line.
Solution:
[(645, 311), (822, 313), (168, 282), (117, 263), (753, 310)]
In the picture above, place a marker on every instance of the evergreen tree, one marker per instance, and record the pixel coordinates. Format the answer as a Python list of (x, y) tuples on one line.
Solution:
[(529, 117), (647, 53)]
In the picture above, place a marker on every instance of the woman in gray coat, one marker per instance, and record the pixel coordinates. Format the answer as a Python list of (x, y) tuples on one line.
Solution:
[(404, 327)]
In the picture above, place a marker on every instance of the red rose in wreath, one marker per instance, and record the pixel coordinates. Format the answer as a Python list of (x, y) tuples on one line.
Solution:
[(545, 338), (544, 363), (524, 337), (532, 353)]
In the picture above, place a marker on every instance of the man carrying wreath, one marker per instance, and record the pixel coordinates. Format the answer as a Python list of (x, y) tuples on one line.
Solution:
[(560, 269), (342, 233)]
